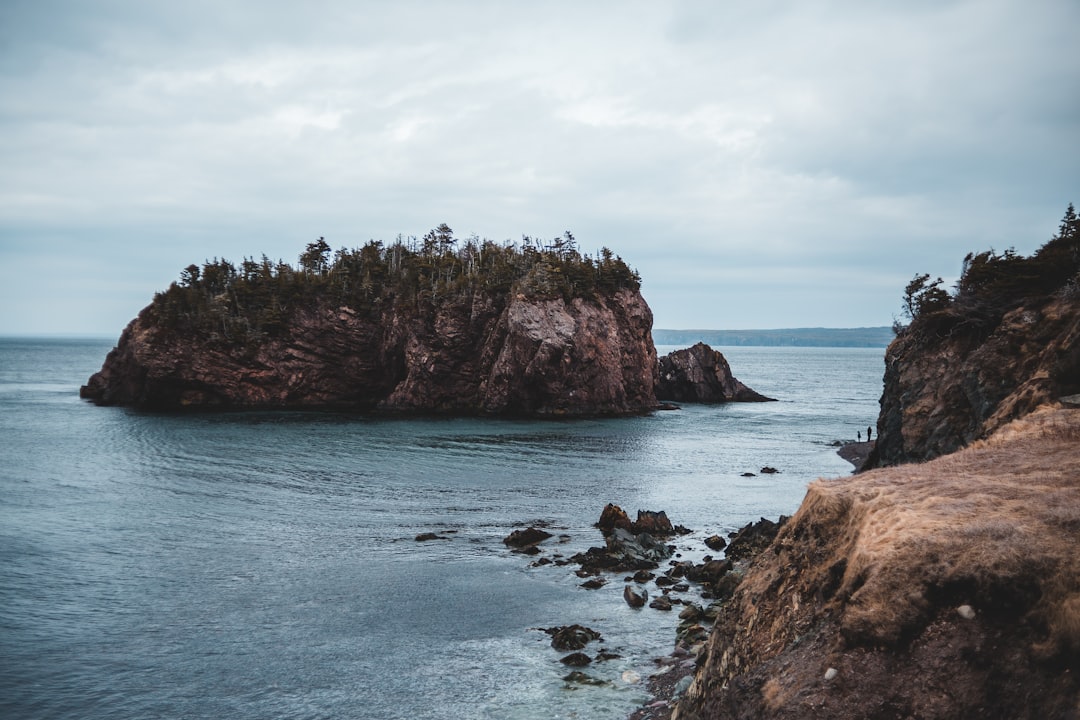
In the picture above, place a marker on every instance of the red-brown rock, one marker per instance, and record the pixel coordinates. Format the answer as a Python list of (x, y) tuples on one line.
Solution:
[(481, 354), (613, 517), (701, 374)]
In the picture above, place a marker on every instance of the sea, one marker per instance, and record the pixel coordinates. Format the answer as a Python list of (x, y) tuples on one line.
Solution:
[(265, 564)]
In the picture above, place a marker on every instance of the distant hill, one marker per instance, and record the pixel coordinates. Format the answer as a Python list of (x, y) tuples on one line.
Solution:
[(791, 337)]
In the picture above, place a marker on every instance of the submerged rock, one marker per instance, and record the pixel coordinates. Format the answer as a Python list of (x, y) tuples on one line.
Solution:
[(579, 678), (576, 660)]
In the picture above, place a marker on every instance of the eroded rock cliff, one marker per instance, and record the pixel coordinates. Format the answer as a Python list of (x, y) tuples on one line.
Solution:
[(943, 390), (483, 354), (701, 374), (949, 589)]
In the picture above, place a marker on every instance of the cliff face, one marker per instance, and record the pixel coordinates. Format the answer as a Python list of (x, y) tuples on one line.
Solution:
[(948, 383), (701, 374), (902, 592), (485, 353)]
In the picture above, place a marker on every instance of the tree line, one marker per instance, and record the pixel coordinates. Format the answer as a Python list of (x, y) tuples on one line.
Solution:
[(256, 298), (992, 283)]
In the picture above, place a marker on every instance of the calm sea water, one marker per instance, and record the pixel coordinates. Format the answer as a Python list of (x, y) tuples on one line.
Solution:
[(262, 565)]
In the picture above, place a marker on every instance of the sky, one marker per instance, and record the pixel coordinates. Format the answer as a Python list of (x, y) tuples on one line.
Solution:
[(761, 164)]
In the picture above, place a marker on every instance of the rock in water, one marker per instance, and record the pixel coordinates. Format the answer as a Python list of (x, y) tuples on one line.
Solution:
[(661, 603), (715, 542), (634, 597), (524, 538), (576, 660), (572, 637), (701, 374)]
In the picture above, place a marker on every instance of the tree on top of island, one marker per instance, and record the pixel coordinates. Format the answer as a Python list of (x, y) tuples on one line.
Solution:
[(256, 299)]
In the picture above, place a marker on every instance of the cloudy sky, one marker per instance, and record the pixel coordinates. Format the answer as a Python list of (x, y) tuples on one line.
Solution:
[(762, 164)]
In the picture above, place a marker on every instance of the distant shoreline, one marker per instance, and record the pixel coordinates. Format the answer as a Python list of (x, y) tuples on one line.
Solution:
[(870, 337)]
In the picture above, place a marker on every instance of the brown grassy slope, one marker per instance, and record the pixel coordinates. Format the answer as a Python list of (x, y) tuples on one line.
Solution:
[(868, 576)]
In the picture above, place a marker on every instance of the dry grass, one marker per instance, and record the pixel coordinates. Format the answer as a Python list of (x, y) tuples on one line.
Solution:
[(869, 576), (995, 526)]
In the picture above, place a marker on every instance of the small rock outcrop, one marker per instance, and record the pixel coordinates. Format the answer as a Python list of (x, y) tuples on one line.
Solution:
[(702, 375), (628, 546)]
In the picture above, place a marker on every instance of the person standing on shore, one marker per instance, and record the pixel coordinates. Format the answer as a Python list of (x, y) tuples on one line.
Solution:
[(858, 435), (867, 433)]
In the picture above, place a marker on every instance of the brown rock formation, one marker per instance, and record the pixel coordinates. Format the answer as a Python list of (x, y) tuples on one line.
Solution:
[(701, 374), (483, 354), (949, 382), (949, 589)]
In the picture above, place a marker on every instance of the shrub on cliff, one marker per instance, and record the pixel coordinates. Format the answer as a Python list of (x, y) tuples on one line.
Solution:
[(255, 300)]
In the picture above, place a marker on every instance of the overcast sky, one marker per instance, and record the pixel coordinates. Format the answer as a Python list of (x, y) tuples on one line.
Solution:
[(762, 164)]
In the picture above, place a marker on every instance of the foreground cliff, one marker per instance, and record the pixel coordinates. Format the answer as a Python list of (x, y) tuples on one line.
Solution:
[(1006, 341), (949, 589), (475, 329)]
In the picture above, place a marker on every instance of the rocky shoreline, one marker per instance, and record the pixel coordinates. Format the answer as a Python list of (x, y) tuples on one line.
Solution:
[(646, 555), (765, 610)]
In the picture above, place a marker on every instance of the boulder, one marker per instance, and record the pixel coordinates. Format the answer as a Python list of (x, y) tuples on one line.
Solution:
[(576, 660), (571, 637), (661, 603), (635, 597), (638, 551), (708, 573), (524, 538), (715, 542)]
